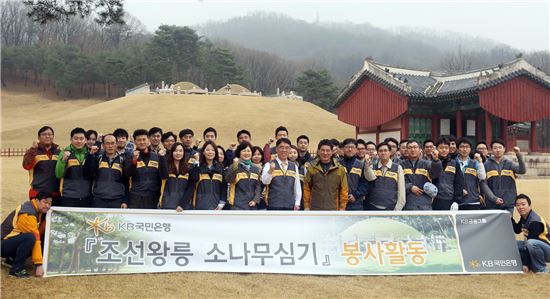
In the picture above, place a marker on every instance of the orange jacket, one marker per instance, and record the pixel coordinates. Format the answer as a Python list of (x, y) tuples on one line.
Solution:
[(26, 219)]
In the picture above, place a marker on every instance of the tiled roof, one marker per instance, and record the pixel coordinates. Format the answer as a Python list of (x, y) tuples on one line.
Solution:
[(426, 84)]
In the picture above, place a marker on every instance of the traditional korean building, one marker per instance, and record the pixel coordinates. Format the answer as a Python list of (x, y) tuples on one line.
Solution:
[(383, 101)]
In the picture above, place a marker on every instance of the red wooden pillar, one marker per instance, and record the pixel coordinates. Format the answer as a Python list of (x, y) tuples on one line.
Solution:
[(488, 129), (458, 124), (504, 135), (356, 132), (435, 127), (378, 128), (404, 127), (479, 132), (533, 146)]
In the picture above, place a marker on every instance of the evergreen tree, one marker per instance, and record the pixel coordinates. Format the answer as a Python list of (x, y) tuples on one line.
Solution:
[(317, 87)]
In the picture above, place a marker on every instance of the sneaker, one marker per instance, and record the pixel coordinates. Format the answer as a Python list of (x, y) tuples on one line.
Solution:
[(20, 274), (545, 271)]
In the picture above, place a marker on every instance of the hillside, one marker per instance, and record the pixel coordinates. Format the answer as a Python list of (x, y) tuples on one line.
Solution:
[(342, 47), (23, 114)]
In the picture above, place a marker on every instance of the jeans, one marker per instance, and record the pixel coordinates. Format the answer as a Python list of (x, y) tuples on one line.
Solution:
[(534, 254), (19, 248)]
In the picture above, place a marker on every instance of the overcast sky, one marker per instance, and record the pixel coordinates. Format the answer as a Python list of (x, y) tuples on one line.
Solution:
[(523, 25)]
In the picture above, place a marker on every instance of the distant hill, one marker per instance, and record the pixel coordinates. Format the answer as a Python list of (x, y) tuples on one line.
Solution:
[(342, 47)]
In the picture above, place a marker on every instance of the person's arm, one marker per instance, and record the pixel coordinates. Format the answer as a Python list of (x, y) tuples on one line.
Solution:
[(126, 184), (267, 153), (231, 173), (223, 192), (60, 165), (435, 168), (516, 226), (258, 190), (343, 202), (362, 188), (28, 158), (369, 173), (129, 165), (487, 192), (307, 190), (297, 189), (459, 185), (163, 168), (266, 175), (408, 183), (229, 156), (187, 200), (27, 223), (90, 167), (481, 174), (535, 229), (125, 180), (519, 168), (401, 192)]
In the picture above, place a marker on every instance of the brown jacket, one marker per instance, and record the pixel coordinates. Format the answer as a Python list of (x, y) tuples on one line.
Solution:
[(325, 190)]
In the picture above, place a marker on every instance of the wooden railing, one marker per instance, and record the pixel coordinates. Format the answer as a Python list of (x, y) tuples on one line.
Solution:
[(12, 152)]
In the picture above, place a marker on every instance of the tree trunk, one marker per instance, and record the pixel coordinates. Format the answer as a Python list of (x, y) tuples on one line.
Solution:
[(64, 248), (75, 257), (106, 86)]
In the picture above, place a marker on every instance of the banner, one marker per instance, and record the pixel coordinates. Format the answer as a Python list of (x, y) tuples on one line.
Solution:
[(120, 241)]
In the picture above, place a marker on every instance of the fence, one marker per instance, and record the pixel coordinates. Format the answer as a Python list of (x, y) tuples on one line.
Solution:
[(12, 152)]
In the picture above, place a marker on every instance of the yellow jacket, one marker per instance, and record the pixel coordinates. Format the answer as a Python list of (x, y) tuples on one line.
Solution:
[(25, 219)]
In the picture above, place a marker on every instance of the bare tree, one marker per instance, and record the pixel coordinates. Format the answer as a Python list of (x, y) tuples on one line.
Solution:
[(540, 59), (458, 61)]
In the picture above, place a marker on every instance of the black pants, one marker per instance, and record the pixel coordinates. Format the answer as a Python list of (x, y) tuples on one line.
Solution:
[(469, 207), (279, 209), (441, 204), (143, 202), (107, 203), (75, 202), (18, 248), (370, 207)]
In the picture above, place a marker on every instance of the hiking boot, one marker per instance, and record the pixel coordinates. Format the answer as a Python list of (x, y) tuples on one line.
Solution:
[(20, 274)]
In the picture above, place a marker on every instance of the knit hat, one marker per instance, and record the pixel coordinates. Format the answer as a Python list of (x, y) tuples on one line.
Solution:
[(430, 189)]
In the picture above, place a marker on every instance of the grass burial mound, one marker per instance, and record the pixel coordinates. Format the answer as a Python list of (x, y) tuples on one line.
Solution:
[(233, 89), (184, 86), (23, 115)]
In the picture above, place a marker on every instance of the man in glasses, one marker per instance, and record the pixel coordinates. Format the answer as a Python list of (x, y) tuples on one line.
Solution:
[(393, 144), (40, 160), (418, 172)]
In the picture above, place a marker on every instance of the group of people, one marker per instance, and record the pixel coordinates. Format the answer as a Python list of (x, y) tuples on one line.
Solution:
[(155, 170)]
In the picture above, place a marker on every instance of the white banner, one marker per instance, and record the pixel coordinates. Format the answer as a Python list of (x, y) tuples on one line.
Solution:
[(118, 241)]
